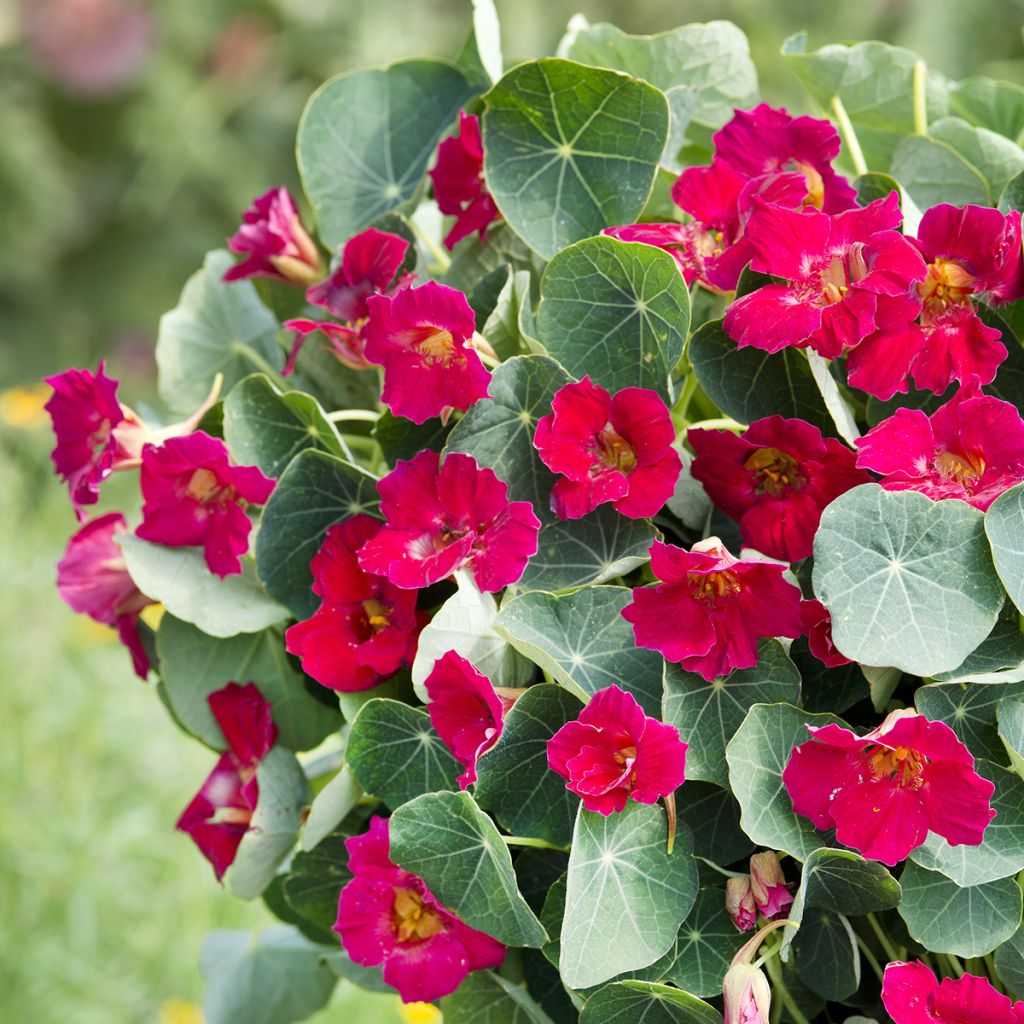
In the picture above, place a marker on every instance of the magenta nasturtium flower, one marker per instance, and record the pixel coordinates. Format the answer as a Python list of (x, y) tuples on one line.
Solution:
[(768, 886), (275, 242), (885, 791), (739, 902), (370, 265), (388, 916), (92, 579), (443, 518), (465, 710), (219, 815), (971, 252), (818, 627), (768, 140), (613, 752), (422, 337), (459, 186), (776, 479), (971, 448), (608, 448), (194, 495), (710, 609), (365, 628), (913, 995), (844, 276)]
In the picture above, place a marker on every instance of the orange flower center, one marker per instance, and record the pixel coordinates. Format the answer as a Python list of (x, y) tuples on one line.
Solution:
[(625, 755), (947, 284), (377, 614), (961, 469), (815, 185), (615, 451), (411, 920), (775, 471), (839, 273), (714, 586), (435, 345), (901, 765), (205, 487)]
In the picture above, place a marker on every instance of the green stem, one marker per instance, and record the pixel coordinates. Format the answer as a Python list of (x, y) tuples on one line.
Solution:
[(883, 939), (722, 871), (920, 98), (365, 444), (256, 359), (870, 957), (688, 390), (849, 136), (540, 844), (775, 973), (441, 258), (362, 415), (955, 966), (719, 423)]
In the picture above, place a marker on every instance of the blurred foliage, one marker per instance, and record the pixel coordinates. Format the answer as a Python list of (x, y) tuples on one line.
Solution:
[(135, 131)]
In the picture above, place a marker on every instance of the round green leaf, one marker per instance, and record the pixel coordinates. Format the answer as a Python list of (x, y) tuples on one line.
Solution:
[(366, 137), (946, 918), (827, 958), (934, 172), (488, 998), (627, 1002), (570, 150), (1004, 524), (705, 946), (455, 848), (970, 710), (625, 897), (314, 880), (908, 581), (707, 715), (757, 755), (617, 311), (329, 807), (1010, 719), (997, 159), (713, 816), (1009, 959), (1000, 658)]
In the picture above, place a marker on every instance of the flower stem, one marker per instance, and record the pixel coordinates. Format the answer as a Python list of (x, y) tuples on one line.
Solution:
[(956, 968), (870, 957), (686, 393), (540, 844), (670, 814), (920, 98), (887, 946), (719, 423), (441, 258), (363, 415), (248, 353), (849, 136), (775, 973)]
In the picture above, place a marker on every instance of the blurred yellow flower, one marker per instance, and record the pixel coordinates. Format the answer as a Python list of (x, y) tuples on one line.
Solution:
[(179, 1011), (151, 615), (419, 1013), (22, 407), (86, 633)]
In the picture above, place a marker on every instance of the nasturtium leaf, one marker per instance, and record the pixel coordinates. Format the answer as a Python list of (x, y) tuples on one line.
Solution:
[(827, 958), (510, 326), (400, 438), (266, 428), (842, 881), (970, 710), (545, 986), (474, 258), (875, 185), (1010, 719), (1012, 197), (710, 61), (757, 755), (1009, 961), (330, 807), (551, 916), (933, 172), (908, 581), (316, 491), (713, 816), (946, 918), (748, 384), (217, 327), (1004, 524), (193, 665), (498, 432), (314, 880), (481, 58), (582, 552), (707, 715), (705, 946), (394, 753), (270, 976), (570, 150), (987, 103), (616, 311), (837, 406), (827, 689), (181, 581), (996, 158), (488, 998), (1000, 658), (626, 897), (366, 137), (283, 795), (583, 642), (456, 849), (1001, 853), (513, 777), (465, 623), (874, 82), (626, 1002)]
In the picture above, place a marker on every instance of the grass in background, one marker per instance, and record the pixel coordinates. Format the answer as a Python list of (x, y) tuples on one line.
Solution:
[(104, 906)]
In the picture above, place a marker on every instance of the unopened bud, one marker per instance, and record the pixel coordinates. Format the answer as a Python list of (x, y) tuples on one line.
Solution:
[(739, 901), (768, 885)]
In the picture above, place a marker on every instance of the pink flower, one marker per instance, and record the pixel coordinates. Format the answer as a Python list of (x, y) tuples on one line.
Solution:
[(422, 337), (219, 815), (971, 252), (365, 628), (844, 277), (92, 579), (465, 710), (768, 886), (971, 448), (913, 995), (275, 242), (616, 449), (818, 627), (747, 995), (711, 609), (388, 916), (767, 140), (884, 792), (613, 752), (739, 902), (776, 479), (443, 518), (370, 265), (459, 186), (195, 495)]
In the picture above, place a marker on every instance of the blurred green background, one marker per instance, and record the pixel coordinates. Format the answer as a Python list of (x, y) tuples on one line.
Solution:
[(132, 134)]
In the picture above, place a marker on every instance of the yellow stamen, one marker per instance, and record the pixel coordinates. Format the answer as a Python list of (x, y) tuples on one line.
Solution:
[(412, 921), (775, 471)]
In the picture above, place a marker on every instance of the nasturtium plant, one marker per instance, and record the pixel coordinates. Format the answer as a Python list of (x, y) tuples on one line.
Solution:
[(586, 534)]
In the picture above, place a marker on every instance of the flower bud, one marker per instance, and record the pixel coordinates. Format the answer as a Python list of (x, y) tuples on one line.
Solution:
[(739, 901), (768, 885), (748, 997)]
